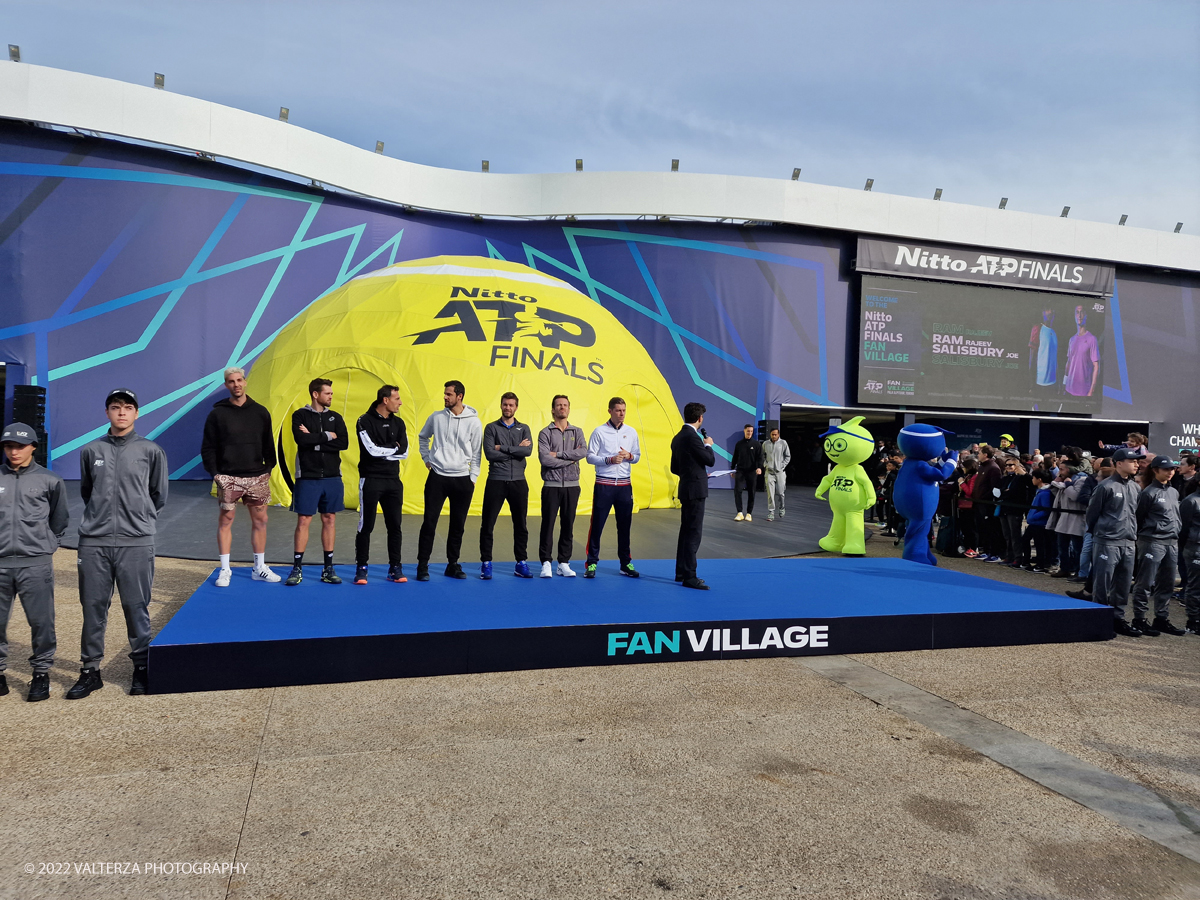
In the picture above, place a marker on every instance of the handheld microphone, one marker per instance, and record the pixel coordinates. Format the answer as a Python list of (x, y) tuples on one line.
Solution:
[(703, 433)]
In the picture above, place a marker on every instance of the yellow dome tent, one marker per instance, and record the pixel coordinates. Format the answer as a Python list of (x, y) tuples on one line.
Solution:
[(495, 326)]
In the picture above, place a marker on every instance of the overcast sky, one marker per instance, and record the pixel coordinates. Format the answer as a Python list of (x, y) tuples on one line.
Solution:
[(1092, 105)]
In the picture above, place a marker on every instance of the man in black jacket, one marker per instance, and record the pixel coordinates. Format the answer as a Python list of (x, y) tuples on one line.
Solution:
[(691, 453), (747, 466), (382, 443), (320, 436), (238, 451), (507, 443)]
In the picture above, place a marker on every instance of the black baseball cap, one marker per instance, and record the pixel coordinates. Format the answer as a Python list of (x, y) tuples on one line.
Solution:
[(1163, 462), (19, 433), (1123, 453), (122, 394)]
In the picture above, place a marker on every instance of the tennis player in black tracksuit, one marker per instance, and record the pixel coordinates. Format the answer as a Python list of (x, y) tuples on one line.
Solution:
[(382, 443)]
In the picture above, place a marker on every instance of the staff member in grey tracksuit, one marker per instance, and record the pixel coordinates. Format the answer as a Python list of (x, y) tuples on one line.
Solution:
[(507, 443), (1112, 519), (33, 517), (123, 483), (1189, 519), (1157, 544), (776, 455)]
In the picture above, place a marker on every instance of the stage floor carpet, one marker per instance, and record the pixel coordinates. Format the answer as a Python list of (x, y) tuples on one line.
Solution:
[(261, 635)]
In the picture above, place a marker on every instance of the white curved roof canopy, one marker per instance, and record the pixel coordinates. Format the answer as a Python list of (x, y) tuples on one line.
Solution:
[(58, 97)]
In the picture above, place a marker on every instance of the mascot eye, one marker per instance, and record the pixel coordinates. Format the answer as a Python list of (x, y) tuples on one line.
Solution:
[(828, 445), (839, 445)]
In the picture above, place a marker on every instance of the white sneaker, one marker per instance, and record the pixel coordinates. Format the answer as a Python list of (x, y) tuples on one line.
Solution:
[(738, 517), (547, 570), (223, 577), (565, 570), (266, 575), (781, 512), (749, 518)]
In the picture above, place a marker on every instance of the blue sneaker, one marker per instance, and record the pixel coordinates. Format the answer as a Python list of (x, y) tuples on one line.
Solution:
[(522, 570), (485, 571)]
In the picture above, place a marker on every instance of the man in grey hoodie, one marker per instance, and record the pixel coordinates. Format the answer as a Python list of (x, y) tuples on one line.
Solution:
[(123, 483), (33, 518), (450, 442)]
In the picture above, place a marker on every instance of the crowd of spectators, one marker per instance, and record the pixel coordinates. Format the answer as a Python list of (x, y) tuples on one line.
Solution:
[(1030, 511)]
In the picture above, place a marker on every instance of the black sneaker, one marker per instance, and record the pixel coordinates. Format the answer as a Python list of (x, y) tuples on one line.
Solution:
[(1193, 626), (589, 570), (396, 574), (1145, 627), (4, 682), (360, 574), (422, 572), (295, 576), (454, 570), (1081, 595), (39, 688), (89, 680), (328, 576), (1120, 626), (1165, 626), (629, 570), (141, 682)]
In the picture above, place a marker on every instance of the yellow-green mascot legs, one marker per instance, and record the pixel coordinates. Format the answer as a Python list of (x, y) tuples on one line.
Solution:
[(850, 490)]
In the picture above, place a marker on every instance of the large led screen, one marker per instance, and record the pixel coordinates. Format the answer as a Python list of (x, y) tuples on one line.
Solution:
[(959, 346)]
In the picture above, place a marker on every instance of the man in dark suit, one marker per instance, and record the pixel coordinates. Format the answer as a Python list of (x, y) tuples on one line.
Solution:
[(691, 452)]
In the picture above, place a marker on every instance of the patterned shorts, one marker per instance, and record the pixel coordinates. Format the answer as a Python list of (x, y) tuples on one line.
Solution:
[(254, 490)]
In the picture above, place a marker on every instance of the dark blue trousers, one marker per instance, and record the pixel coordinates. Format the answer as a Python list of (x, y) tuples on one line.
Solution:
[(607, 497)]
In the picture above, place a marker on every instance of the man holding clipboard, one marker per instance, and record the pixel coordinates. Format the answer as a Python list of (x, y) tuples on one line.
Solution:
[(691, 454)]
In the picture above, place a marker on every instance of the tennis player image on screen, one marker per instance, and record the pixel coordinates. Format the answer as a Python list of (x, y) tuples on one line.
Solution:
[(1043, 351), (1083, 359)]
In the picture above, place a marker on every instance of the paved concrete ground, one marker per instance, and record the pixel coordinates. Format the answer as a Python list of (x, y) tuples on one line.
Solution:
[(749, 778)]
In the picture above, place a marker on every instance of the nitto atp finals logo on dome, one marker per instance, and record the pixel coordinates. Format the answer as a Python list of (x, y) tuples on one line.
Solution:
[(495, 326)]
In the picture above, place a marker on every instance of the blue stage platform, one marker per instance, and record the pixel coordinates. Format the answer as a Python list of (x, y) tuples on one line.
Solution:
[(262, 635)]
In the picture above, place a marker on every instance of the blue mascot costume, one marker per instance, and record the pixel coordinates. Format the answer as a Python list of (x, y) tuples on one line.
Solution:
[(915, 494)]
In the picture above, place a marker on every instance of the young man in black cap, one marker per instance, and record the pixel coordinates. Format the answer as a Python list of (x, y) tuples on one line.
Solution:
[(238, 451), (320, 436), (123, 483), (33, 518), (1157, 548), (382, 443), (1112, 519)]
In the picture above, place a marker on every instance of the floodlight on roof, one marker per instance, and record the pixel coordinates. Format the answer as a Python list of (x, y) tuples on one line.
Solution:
[(379, 147), (160, 80), (870, 184), (1123, 218), (674, 165), (14, 53), (1063, 214), (1003, 202), (1178, 227), (796, 174), (283, 113), (579, 165), (485, 165), (937, 194)]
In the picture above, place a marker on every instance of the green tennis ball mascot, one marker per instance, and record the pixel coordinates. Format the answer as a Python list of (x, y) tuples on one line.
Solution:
[(850, 489)]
